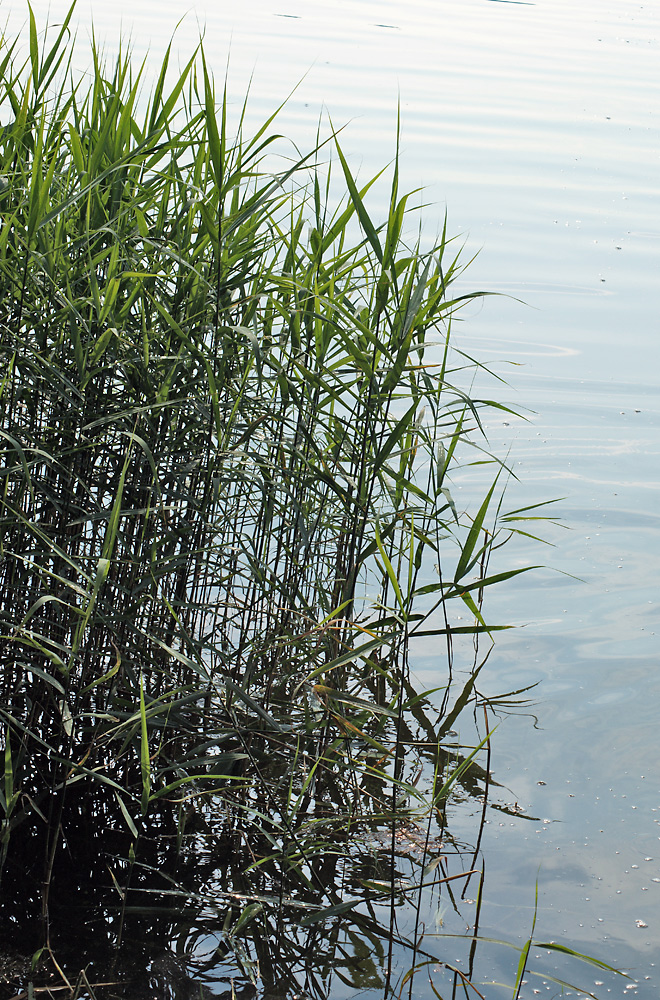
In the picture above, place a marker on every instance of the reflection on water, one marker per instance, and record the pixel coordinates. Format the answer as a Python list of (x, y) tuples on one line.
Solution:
[(212, 912)]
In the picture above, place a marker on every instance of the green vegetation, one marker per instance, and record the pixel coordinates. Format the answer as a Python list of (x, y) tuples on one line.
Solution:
[(229, 419)]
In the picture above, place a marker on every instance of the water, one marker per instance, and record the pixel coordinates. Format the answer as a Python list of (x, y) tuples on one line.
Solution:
[(536, 126)]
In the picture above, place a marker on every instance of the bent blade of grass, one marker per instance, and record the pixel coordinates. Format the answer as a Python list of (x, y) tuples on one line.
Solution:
[(565, 950)]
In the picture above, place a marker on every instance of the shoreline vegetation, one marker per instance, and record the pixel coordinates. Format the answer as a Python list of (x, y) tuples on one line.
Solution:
[(229, 421)]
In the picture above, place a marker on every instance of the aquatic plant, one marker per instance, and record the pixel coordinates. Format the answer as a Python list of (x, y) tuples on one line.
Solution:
[(229, 420)]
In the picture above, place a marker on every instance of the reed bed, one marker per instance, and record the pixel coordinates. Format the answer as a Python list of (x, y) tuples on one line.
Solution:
[(229, 421)]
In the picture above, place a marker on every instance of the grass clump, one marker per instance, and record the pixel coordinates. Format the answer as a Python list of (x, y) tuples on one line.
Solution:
[(229, 417)]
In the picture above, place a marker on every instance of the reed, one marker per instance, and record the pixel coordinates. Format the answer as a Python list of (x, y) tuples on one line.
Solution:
[(229, 421)]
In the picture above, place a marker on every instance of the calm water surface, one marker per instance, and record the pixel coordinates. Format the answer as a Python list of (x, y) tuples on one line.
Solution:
[(537, 126)]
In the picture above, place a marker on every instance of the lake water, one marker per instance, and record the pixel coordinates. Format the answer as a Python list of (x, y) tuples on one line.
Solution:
[(536, 125)]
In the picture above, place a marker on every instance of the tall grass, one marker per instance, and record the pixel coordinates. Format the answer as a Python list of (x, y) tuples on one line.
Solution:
[(229, 419)]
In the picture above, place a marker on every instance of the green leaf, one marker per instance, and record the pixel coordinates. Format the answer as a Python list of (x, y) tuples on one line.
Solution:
[(145, 759), (363, 215), (466, 560), (34, 49), (565, 950), (247, 916), (127, 816), (389, 570)]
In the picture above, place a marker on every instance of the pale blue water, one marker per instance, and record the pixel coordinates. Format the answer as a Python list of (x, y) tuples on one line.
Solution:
[(537, 127)]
